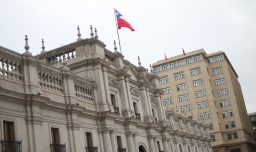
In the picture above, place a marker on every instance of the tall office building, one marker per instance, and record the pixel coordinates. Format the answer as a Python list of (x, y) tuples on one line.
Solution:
[(206, 87)]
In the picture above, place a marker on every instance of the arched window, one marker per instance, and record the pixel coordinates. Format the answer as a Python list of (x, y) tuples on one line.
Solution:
[(196, 149)]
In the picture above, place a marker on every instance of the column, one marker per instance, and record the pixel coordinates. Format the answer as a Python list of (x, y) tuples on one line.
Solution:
[(151, 143), (130, 142), (135, 143), (113, 141), (106, 141), (166, 147)]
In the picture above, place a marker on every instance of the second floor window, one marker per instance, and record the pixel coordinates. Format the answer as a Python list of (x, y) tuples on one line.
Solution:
[(232, 135)]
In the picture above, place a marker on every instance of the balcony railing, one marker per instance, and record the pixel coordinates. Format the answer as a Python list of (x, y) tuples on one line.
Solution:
[(58, 147), (116, 109), (121, 149), (10, 146), (137, 115), (91, 149)]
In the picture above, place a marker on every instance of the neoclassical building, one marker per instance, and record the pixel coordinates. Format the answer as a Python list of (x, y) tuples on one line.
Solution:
[(82, 97)]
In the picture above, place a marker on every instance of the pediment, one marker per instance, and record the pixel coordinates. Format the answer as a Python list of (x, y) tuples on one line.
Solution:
[(113, 82), (135, 91)]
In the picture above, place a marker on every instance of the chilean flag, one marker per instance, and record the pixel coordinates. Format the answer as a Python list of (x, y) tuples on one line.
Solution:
[(121, 22)]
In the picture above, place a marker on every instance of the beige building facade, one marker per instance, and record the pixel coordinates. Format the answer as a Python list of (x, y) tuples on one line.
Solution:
[(82, 97), (206, 87)]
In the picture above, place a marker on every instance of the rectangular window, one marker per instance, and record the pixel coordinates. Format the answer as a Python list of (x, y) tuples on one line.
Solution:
[(222, 92), (163, 80), (210, 126), (202, 105), (181, 86), (89, 139), (230, 124), (166, 90), (200, 93), (197, 83), (186, 108), (232, 135), (216, 58), (220, 81), (205, 115), (113, 99), (226, 114), (9, 130), (179, 75), (167, 101), (55, 136), (217, 70), (195, 71), (119, 142), (212, 137), (135, 108), (225, 103), (183, 97)]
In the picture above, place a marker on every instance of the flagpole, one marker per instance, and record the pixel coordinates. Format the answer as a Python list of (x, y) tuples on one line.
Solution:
[(119, 42)]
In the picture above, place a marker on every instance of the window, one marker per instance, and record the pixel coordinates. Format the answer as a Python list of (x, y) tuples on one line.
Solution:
[(189, 149), (222, 92), (205, 115), (232, 135), (179, 75), (119, 142), (210, 126), (9, 130), (236, 150), (195, 71), (216, 58), (113, 99), (197, 83), (230, 124), (167, 101), (225, 103), (186, 108), (163, 80), (181, 86), (89, 140), (202, 105), (217, 70), (166, 90), (212, 137), (55, 136), (226, 114), (220, 81), (156, 69), (200, 93), (158, 146), (183, 97), (135, 108)]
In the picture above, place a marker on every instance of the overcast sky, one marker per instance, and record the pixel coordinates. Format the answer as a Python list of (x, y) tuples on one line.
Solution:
[(164, 26)]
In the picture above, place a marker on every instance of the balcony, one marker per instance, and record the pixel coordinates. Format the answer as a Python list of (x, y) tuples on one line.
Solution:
[(58, 147), (10, 146), (121, 149), (116, 109), (91, 149), (137, 115)]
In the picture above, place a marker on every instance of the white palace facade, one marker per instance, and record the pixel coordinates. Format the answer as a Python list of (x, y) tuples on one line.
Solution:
[(82, 97)]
